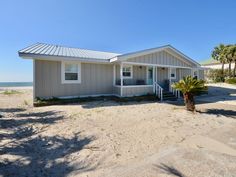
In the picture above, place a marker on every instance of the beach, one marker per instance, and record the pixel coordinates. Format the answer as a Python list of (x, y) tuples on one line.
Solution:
[(129, 139)]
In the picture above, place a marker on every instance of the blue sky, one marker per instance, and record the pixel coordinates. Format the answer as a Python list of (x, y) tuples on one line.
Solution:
[(192, 26)]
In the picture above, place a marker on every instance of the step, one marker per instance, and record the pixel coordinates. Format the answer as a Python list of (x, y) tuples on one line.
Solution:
[(169, 96)]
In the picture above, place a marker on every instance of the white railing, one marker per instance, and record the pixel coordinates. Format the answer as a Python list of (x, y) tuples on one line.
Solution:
[(175, 91), (159, 91)]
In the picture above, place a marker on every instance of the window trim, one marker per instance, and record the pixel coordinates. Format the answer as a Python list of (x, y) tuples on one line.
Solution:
[(131, 72), (63, 81), (173, 69)]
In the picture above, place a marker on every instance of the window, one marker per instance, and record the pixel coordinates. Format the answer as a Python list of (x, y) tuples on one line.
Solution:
[(195, 73), (173, 73), (71, 72), (127, 72)]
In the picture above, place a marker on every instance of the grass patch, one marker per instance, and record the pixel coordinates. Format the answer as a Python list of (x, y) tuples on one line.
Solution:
[(58, 101), (231, 81), (11, 92)]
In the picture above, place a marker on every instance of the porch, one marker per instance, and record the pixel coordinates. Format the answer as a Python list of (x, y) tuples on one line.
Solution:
[(142, 79)]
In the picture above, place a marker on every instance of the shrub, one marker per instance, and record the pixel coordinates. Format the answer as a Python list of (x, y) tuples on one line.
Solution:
[(231, 81), (216, 75), (11, 92)]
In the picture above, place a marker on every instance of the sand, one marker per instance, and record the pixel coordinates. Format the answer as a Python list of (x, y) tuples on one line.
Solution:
[(106, 138)]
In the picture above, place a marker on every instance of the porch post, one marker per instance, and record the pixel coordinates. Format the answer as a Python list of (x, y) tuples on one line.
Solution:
[(114, 75), (121, 79), (153, 78), (180, 74), (169, 76)]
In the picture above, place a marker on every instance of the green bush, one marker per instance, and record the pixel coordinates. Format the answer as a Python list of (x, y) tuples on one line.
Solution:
[(216, 75), (11, 92), (231, 81)]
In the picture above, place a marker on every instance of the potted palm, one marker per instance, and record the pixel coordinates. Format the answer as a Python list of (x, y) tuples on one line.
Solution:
[(190, 86)]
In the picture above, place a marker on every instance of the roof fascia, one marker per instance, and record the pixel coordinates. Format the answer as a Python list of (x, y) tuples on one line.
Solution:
[(149, 51), (61, 58)]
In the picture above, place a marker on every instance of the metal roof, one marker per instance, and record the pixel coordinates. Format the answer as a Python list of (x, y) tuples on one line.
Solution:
[(43, 50), (56, 52)]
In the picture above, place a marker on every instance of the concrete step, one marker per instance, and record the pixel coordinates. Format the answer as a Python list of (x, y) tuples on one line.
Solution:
[(169, 96)]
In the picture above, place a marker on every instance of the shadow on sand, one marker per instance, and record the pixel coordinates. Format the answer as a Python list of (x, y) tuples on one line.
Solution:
[(27, 153), (168, 170), (219, 112), (10, 110), (100, 101), (216, 94)]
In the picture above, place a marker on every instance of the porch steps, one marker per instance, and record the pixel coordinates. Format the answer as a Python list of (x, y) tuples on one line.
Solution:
[(168, 96)]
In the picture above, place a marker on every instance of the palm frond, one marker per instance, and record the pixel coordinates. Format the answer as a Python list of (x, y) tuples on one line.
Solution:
[(190, 85)]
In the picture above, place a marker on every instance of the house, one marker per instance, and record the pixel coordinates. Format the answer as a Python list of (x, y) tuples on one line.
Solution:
[(213, 64), (72, 72)]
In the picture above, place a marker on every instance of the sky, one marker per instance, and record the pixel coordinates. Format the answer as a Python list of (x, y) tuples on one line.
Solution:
[(192, 26)]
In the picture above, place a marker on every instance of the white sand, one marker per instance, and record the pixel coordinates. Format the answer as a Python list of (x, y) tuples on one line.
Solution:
[(16, 88), (105, 138)]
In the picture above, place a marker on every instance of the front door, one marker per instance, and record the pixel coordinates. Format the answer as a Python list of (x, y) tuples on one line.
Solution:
[(150, 76)]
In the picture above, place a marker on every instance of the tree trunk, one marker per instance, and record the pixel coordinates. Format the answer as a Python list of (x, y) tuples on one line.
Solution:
[(189, 102), (222, 72), (234, 69), (230, 69)]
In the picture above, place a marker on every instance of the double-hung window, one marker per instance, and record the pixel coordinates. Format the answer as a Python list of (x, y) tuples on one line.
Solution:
[(127, 72), (173, 73), (71, 72)]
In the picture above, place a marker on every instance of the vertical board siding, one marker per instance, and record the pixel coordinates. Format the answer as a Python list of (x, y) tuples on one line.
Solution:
[(95, 79), (162, 76), (116, 90), (137, 91), (185, 72), (162, 58)]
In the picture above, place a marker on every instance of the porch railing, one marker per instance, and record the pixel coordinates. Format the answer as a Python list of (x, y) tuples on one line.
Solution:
[(159, 91), (174, 91)]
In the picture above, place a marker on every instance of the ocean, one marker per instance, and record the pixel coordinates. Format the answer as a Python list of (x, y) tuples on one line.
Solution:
[(16, 84)]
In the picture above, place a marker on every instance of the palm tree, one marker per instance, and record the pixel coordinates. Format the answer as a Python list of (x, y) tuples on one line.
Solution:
[(227, 53), (217, 54), (233, 55), (190, 86)]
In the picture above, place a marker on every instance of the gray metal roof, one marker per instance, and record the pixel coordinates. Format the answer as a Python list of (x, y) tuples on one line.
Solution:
[(41, 49), (56, 52)]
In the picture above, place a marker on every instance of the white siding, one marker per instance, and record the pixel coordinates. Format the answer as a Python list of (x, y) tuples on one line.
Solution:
[(95, 79), (161, 58)]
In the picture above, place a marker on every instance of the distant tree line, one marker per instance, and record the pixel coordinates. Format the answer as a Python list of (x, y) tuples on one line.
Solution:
[(226, 54)]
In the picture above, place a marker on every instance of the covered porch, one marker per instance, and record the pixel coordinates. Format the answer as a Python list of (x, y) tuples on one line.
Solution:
[(135, 79)]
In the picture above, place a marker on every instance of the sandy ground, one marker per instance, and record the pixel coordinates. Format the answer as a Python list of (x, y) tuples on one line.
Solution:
[(105, 138)]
